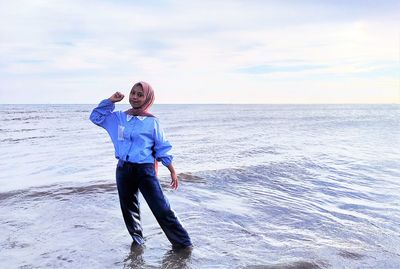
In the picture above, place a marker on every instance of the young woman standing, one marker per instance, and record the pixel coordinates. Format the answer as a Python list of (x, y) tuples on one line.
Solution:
[(140, 142)]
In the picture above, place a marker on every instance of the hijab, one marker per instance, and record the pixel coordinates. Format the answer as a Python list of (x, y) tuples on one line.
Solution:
[(148, 93)]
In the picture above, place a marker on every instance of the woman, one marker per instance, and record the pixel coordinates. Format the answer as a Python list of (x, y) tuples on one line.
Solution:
[(139, 142)]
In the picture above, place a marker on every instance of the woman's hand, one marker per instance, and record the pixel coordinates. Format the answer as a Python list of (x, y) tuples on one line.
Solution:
[(174, 177), (116, 97), (174, 181)]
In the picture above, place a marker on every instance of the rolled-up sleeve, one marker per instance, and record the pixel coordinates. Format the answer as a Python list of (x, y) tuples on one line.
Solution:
[(102, 115), (162, 147)]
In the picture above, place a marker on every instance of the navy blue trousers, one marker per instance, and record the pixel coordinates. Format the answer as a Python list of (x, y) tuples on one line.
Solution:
[(132, 178)]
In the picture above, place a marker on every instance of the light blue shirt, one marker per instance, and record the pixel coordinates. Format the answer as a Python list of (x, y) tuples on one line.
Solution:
[(136, 139)]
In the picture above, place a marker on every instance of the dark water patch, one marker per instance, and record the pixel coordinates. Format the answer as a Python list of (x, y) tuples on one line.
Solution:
[(62, 191), (58, 191), (251, 152), (20, 112), (10, 194), (16, 130), (69, 192), (190, 177), (350, 255), (82, 111), (28, 118), (14, 244), (17, 140), (293, 265)]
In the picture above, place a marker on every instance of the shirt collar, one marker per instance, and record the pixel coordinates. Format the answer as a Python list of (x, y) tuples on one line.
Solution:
[(129, 117)]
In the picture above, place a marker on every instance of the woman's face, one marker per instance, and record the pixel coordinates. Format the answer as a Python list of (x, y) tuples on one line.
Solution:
[(136, 97)]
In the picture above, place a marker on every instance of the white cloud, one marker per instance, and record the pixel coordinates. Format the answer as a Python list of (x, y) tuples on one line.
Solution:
[(192, 51)]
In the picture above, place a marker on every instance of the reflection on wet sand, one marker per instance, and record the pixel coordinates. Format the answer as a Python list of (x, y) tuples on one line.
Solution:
[(172, 259), (177, 259), (135, 257)]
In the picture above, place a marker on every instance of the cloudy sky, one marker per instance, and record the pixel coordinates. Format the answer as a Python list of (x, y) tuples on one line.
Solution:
[(255, 51)]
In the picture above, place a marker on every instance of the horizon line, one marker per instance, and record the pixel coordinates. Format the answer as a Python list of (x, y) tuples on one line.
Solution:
[(209, 103)]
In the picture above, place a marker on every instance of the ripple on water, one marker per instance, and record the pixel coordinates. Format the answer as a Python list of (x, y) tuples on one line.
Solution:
[(237, 218)]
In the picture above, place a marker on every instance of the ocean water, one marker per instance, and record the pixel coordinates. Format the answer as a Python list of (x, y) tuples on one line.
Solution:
[(262, 186)]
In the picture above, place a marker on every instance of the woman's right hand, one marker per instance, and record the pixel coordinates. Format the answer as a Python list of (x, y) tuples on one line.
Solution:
[(116, 97)]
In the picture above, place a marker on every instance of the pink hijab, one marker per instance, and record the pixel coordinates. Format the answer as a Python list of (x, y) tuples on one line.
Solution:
[(149, 95)]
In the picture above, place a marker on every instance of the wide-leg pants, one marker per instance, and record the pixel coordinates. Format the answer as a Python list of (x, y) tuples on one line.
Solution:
[(132, 178)]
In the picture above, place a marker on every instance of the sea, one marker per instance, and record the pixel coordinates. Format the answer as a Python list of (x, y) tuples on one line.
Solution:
[(261, 186)]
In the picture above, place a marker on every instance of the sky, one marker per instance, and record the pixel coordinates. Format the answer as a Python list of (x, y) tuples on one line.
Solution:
[(201, 51)]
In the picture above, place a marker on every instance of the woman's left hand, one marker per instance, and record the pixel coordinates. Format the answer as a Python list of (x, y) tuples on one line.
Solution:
[(174, 181)]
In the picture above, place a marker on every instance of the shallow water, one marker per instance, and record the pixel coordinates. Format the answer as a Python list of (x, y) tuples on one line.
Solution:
[(261, 187)]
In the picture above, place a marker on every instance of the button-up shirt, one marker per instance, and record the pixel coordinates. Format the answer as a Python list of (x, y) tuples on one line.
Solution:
[(136, 139)]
